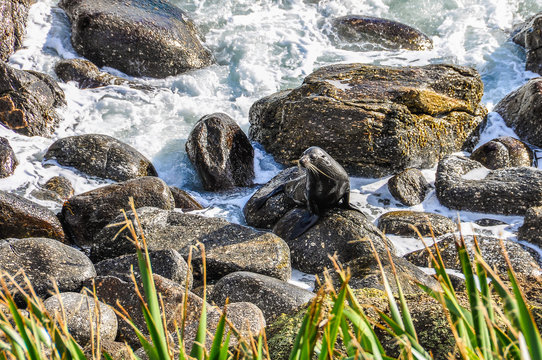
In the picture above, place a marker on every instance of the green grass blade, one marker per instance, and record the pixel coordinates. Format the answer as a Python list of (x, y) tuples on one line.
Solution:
[(332, 327), (198, 347), (216, 347)]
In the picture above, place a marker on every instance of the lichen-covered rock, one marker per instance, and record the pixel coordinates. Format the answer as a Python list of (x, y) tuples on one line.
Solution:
[(344, 233), (13, 15), (503, 152), (45, 261), (183, 200), (81, 316), (522, 261), (386, 33), (272, 296), (84, 215), (221, 153), (465, 184), (22, 218), (28, 100), (57, 188), (100, 155), (409, 187), (521, 111), (167, 263), (374, 120), (228, 247), (88, 76), (8, 160), (531, 230), (400, 222), (529, 35), (141, 37)]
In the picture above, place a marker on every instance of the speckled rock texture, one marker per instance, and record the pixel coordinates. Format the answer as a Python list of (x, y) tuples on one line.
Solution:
[(228, 247), (184, 200), (57, 188), (44, 260), (221, 153), (503, 152), (509, 191), (522, 261), (272, 296), (521, 111), (345, 233), (400, 222), (13, 15), (385, 33), (8, 160), (531, 230), (102, 156), (140, 37), (529, 35), (22, 218), (374, 120), (86, 214), (79, 310), (409, 187), (28, 100)]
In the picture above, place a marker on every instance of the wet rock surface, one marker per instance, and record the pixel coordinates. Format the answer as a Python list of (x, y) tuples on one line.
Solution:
[(28, 100), (22, 218), (228, 247), (86, 214), (531, 230), (13, 16), (102, 156), (386, 33), (503, 152), (140, 38), (401, 222), (529, 35), (465, 184), (409, 187), (374, 120), (57, 189), (184, 200), (221, 153), (8, 160)]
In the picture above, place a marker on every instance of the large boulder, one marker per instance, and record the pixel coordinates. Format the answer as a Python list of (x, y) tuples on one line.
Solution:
[(465, 184), (340, 232), (22, 218), (529, 35), (28, 100), (374, 120), (409, 187), (45, 262), (100, 155), (8, 160), (522, 109), (141, 37), (503, 152), (228, 247), (386, 33), (84, 215), (531, 230), (13, 15), (221, 153), (401, 223)]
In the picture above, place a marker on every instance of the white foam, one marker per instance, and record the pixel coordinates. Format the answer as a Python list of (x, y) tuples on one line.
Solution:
[(476, 174)]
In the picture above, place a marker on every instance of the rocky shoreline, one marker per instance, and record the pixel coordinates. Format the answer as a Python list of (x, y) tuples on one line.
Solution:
[(376, 121)]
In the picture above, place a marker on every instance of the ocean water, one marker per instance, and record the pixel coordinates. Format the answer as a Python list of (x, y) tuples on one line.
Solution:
[(262, 47)]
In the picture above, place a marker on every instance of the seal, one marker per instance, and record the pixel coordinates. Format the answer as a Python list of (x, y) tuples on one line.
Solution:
[(326, 186)]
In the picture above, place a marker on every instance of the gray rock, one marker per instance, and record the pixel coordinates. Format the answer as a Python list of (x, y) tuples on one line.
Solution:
[(100, 155), (400, 222), (221, 153), (531, 230), (374, 120), (13, 15), (28, 100), (82, 317), (271, 295), (140, 37), (521, 111), (57, 188), (529, 35), (266, 216), (167, 263), (44, 261), (84, 215), (503, 152), (183, 200), (228, 247), (522, 261), (22, 218), (505, 191), (409, 187), (8, 160), (386, 33)]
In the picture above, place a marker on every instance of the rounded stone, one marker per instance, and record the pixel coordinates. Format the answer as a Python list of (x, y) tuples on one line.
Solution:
[(409, 187), (401, 223), (503, 152), (8, 160)]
